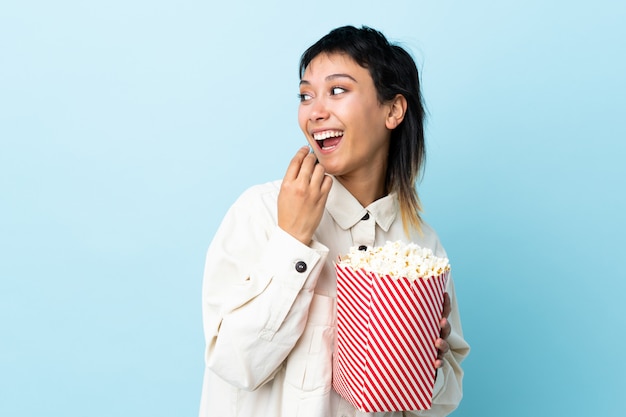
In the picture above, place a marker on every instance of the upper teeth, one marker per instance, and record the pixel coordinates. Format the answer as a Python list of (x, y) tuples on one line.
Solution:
[(327, 134)]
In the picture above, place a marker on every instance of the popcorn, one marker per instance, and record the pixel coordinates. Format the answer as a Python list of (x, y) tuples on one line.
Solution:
[(389, 305), (396, 260)]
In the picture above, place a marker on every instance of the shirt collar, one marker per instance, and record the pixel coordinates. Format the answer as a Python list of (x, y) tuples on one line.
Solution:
[(347, 211)]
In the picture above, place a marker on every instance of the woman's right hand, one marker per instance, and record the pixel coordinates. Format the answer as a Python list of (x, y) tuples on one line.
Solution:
[(303, 196)]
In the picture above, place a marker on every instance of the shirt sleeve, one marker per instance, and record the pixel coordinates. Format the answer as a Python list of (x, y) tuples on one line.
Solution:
[(257, 288)]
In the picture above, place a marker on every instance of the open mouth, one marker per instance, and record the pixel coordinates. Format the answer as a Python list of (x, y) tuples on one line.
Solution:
[(328, 139)]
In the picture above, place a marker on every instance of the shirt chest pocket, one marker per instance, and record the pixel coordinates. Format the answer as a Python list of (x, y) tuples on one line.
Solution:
[(309, 365)]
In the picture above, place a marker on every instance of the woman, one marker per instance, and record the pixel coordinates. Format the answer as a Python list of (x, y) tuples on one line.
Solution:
[(269, 294)]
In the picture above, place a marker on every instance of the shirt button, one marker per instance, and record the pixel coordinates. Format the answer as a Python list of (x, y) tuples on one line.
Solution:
[(362, 247), (300, 266), (366, 217)]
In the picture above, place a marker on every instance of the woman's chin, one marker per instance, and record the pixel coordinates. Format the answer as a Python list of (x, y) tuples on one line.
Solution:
[(329, 168)]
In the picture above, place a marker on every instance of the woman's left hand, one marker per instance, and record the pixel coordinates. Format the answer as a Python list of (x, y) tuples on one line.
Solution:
[(441, 343)]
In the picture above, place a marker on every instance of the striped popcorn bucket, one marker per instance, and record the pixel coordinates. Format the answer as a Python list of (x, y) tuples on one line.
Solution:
[(386, 332)]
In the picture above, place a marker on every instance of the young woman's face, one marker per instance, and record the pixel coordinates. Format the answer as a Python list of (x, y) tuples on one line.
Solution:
[(342, 119)]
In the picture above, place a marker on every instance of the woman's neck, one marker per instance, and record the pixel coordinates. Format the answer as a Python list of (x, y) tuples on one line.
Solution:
[(365, 190)]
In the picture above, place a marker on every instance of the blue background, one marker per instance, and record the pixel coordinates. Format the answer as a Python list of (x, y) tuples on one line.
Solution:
[(127, 129)]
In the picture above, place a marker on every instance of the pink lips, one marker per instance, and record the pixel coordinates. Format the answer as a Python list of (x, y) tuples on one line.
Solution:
[(329, 143), (329, 140)]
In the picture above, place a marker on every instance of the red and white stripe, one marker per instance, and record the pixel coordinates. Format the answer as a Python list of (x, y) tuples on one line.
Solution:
[(386, 332)]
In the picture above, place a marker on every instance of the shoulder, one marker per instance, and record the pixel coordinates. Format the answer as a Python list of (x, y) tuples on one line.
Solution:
[(254, 211), (257, 201), (260, 193), (427, 237)]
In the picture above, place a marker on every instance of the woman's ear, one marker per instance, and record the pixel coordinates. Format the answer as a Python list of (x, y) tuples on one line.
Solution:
[(397, 110)]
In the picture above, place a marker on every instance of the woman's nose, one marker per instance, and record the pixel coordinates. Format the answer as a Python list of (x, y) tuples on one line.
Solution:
[(319, 111)]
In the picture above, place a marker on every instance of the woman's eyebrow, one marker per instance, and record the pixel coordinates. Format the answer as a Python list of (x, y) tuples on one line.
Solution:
[(332, 77), (335, 76)]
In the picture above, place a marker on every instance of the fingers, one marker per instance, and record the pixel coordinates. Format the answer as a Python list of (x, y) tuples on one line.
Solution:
[(303, 195), (327, 183), (296, 163), (446, 329), (304, 166), (442, 348), (309, 168), (318, 177), (306, 172), (441, 344), (446, 305)]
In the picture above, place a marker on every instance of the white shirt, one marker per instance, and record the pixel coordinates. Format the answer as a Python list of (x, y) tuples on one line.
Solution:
[(270, 327)]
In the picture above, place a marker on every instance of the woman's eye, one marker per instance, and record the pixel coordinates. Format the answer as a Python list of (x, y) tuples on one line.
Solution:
[(304, 97), (337, 90)]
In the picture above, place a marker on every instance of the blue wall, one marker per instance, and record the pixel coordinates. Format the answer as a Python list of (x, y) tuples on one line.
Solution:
[(128, 128)]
